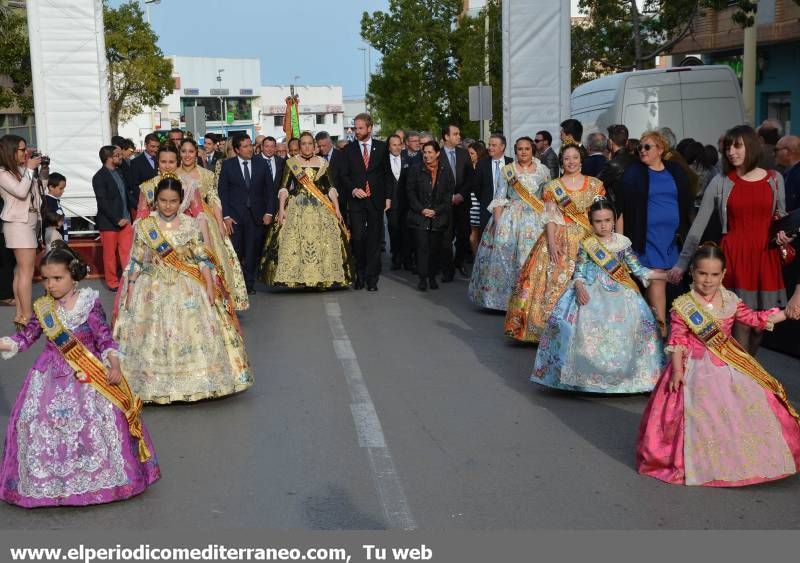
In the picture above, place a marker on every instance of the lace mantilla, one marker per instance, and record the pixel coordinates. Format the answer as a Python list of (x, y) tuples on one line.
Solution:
[(80, 312)]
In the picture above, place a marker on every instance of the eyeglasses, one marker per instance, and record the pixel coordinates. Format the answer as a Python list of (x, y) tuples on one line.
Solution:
[(537, 141), (646, 147)]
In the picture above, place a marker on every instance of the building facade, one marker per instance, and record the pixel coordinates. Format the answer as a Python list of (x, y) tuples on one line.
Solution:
[(228, 89), (321, 109), (719, 40)]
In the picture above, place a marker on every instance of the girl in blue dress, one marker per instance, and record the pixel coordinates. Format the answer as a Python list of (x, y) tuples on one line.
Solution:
[(602, 337)]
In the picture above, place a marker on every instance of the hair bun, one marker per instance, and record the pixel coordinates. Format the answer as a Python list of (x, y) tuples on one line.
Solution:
[(709, 243)]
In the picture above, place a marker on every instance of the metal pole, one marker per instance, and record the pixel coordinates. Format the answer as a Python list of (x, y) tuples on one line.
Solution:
[(749, 69), (364, 64), (485, 126)]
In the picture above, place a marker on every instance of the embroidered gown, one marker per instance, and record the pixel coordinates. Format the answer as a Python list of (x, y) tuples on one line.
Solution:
[(505, 245), (199, 201), (609, 345), (309, 249), (541, 283), (721, 429), (66, 444), (176, 346)]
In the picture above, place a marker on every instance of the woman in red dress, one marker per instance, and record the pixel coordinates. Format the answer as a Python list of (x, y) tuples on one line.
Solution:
[(747, 199)]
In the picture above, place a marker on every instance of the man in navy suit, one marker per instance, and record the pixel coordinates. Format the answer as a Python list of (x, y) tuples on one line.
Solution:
[(275, 165), (248, 205), (364, 176), (144, 167)]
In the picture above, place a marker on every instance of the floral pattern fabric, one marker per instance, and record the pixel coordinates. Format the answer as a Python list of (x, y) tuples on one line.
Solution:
[(541, 282), (175, 345), (505, 244), (609, 345), (66, 444)]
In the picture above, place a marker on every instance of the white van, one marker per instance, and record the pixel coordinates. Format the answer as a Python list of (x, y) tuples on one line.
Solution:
[(701, 102)]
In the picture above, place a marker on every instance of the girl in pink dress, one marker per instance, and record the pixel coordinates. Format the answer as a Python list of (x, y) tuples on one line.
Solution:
[(716, 417)]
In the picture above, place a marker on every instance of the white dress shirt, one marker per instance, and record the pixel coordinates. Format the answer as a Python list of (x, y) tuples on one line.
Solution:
[(397, 165)]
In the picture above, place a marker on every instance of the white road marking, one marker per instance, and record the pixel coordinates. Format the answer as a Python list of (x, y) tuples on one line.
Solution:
[(368, 426)]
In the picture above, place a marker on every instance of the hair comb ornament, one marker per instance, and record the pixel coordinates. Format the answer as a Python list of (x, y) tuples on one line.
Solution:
[(170, 175)]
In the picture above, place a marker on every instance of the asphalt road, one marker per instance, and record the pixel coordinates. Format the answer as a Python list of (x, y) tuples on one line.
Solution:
[(399, 409)]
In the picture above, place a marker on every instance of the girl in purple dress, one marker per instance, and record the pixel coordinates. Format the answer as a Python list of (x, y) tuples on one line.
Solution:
[(74, 436)]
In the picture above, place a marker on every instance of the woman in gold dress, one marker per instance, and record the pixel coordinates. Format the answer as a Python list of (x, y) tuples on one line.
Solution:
[(551, 263), (178, 335), (308, 244), (200, 181)]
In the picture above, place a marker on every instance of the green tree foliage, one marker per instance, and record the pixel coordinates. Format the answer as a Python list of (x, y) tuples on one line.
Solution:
[(623, 35), (139, 76), (15, 60), (431, 54)]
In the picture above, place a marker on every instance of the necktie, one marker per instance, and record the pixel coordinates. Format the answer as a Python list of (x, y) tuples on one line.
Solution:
[(271, 169), (496, 174), (246, 172), (451, 156), (365, 156), (328, 157)]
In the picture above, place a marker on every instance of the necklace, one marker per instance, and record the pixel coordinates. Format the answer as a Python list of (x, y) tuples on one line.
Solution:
[(167, 220), (708, 302), (572, 181), (188, 170)]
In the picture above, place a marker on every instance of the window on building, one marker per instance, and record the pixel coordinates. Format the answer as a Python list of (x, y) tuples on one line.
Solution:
[(320, 119), (213, 107), (242, 108), (779, 107), (278, 120)]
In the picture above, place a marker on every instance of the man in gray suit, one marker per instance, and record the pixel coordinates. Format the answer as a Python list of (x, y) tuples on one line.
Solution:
[(545, 153)]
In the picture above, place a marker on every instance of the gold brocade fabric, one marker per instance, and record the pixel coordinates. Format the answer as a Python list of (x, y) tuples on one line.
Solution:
[(541, 283), (309, 249), (220, 245), (174, 344)]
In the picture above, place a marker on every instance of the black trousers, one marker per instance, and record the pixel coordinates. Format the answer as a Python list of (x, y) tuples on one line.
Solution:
[(394, 222), (247, 240), (366, 228), (428, 245), (459, 232), (7, 265)]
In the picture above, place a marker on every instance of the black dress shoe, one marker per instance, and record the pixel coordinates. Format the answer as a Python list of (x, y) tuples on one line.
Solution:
[(251, 292), (463, 271), (432, 282), (448, 277), (395, 266), (372, 287), (422, 285), (358, 284)]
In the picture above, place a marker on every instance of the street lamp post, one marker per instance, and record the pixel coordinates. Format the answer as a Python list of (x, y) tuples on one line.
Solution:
[(147, 8), (364, 53), (221, 101)]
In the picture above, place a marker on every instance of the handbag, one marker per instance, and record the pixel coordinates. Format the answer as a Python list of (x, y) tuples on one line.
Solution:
[(790, 224)]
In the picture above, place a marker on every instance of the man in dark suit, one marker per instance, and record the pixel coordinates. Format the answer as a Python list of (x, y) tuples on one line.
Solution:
[(412, 152), (248, 205), (458, 231), (364, 176), (594, 163), (211, 153), (144, 166), (113, 217), (335, 158), (489, 174), (396, 185), (545, 153), (612, 173), (275, 165)]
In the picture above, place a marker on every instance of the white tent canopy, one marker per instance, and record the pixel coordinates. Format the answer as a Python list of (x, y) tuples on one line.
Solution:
[(70, 92)]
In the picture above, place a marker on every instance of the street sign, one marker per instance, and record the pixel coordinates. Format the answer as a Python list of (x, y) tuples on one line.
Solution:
[(480, 103)]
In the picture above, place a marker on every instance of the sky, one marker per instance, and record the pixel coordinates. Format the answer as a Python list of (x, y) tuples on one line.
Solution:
[(315, 39), (318, 40)]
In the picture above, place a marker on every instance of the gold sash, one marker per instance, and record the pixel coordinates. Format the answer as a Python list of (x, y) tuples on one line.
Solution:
[(311, 187), (568, 206), (708, 330), (536, 204), (608, 260), (89, 369), (160, 245)]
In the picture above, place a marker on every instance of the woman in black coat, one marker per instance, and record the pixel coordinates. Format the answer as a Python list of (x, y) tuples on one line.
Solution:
[(653, 204), (430, 191)]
